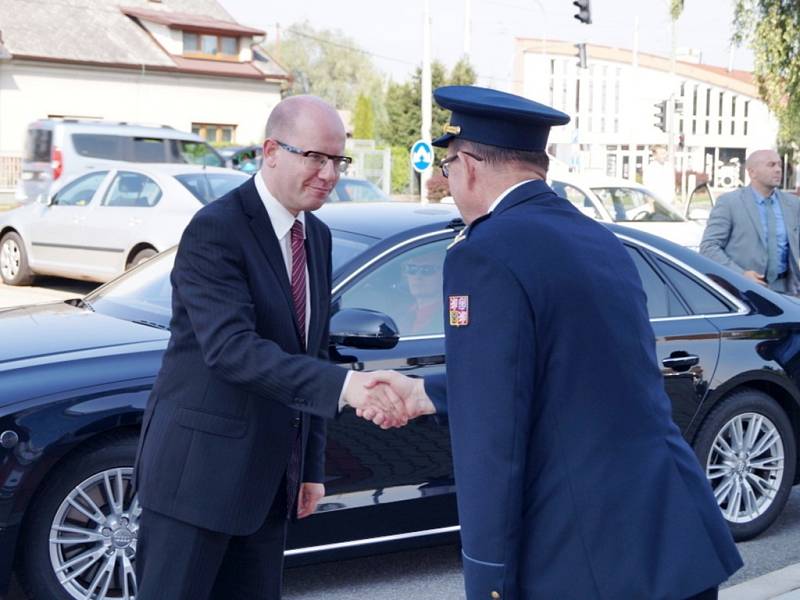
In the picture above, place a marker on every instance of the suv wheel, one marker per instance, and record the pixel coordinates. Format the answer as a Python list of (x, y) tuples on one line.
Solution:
[(14, 261), (80, 537), (747, 447)]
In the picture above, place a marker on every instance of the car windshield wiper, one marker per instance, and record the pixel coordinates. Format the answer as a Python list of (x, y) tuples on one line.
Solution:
[(79, 303), (151, 324)]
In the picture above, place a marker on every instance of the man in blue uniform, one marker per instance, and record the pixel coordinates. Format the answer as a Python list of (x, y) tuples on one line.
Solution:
[(573, 482)]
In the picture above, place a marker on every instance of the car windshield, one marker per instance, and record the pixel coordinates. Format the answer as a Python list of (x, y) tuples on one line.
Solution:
[(358, 190), (634, 204), (144, 294), (207, 187)]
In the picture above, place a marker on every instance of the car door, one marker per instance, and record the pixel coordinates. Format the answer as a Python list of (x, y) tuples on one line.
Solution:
[(687, 343), (118, 219), (365, 465), (58, 237)]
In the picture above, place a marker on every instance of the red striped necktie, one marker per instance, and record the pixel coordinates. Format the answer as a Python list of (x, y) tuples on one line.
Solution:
[(299, 277)]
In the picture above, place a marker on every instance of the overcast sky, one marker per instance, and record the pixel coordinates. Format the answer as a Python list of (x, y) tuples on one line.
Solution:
[(392, 30)]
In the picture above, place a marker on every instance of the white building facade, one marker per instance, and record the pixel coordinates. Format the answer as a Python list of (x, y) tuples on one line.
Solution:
[(717, 121)]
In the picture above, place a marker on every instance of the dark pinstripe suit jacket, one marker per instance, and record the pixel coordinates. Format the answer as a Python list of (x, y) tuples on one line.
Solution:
[(235, 383)]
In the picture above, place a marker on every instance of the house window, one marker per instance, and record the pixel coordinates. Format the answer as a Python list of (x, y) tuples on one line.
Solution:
[(205, 45), (215, 133)]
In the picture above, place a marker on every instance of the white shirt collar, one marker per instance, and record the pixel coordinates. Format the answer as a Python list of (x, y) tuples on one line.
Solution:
[(281, 219), (507, 192)]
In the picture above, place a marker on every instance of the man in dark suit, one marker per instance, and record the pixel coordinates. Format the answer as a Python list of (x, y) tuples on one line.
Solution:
[(755, 230), (233, 437), (572, 480)]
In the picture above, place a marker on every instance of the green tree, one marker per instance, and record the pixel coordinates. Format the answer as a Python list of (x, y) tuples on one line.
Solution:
[(772, 29), (363, 119)]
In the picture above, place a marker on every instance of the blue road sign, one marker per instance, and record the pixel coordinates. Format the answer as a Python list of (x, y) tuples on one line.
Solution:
[(421, 155)]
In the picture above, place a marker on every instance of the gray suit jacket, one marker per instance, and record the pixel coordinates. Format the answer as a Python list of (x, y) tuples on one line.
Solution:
[(734, 235)]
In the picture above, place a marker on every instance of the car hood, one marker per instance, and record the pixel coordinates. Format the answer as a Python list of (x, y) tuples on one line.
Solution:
[(685, 233), (58, 347)]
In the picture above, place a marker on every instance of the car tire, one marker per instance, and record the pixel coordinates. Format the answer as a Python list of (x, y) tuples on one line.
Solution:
[(14, 267), (141, 256), (745, 431), (106, 464)]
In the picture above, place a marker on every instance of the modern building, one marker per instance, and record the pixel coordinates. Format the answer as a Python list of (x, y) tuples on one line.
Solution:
[(717, 120), (182, 63)]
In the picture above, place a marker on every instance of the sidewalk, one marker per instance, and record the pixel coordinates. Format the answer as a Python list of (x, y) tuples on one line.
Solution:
[(783, 584)]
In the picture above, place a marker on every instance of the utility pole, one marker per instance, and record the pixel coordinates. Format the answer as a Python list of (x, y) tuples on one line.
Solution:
[(427, 93), (671, 106)]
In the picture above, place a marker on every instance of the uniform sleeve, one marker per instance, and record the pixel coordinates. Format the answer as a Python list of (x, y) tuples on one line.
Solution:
[(490, 349), (210, 281), (717, 234)]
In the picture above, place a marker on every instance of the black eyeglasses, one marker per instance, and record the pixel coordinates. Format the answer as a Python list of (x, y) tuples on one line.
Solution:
[(317, 160), (422, 270), (445, 162)]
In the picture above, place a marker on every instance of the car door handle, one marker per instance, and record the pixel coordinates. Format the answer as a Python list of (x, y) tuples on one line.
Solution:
[(680, 361)]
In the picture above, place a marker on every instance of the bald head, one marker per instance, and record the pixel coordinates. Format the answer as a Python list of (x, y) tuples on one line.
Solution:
[(764, 169), (296, 111)]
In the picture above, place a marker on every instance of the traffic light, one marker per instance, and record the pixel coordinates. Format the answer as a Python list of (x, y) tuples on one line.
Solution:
[(581, 48), (661, 115), (584, 14)]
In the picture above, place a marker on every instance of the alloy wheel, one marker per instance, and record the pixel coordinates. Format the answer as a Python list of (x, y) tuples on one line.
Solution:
[(9, 259)]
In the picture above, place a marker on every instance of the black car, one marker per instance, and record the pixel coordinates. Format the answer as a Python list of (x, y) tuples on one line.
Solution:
[(75, 377)]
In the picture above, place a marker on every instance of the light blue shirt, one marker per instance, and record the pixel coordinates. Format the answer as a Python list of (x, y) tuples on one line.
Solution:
[(780, 226)]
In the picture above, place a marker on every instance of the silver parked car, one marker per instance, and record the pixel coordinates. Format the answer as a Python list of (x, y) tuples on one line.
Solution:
[(97, 224)]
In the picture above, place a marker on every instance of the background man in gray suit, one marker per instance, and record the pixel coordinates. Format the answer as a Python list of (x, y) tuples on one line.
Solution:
[(754, 230)]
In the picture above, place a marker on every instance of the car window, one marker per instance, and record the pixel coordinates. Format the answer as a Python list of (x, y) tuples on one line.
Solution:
[(576, 197), (407, 287), (207, 187), (37, 145), (701, 300), (633, 204), (148, 150), (132, 190), (661, 300), (358, 190), (195, 153), (93, 145), (346, 245), (81, 191)]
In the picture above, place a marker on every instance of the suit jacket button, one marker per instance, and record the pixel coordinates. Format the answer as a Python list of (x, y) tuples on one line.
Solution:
[(495, 595)]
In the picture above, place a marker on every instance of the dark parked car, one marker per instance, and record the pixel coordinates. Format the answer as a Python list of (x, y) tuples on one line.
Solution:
[(75, 377)]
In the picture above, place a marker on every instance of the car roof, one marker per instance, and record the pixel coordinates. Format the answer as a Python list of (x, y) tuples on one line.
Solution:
[(593, 180), (385, 219), (169, 168), (116, 128)]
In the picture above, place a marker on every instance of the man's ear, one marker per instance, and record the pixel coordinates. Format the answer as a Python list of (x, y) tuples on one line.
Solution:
[(269, 150), (471, 168)]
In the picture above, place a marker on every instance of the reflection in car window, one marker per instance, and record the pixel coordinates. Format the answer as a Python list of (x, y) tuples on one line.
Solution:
[(576, 197), (198, 153), (702, 301), (132, 190), (347, 245), (207, 187), (661, 300), (632, 204), (81, 191), (407, 287), (358, 190), (142, 294)]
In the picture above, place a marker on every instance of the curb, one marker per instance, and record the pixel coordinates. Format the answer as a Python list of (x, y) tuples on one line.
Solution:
[(783, 584)]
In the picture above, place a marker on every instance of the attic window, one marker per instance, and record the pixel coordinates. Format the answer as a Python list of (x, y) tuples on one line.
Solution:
[(208, 45)]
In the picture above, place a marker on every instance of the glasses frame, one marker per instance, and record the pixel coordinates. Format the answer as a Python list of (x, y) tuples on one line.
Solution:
[(340, 163), (444, 164)]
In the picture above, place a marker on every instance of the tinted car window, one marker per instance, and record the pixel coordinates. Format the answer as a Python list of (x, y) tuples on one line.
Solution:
[(132, 190), (148, 150), (81, 191), (208, 187), (632, 204), (93, 145), (195, 153), (408, 288), (37, 145), (661, 300), (346, 245), (358, 190), (701, 300)]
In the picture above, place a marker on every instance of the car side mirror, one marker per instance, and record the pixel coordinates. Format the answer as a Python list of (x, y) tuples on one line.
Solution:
[(363, 328), (48, 200)]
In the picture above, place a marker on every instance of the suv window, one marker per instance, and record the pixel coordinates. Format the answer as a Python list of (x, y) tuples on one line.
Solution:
[(148, 150), (81, 191), (132, 190), (37, 145), (196, 153), (93, 145), (701, 300), (661, 300), (407, 287)]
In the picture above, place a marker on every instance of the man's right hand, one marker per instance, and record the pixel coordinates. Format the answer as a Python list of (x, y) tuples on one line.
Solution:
[(410, 390), (755, 277)]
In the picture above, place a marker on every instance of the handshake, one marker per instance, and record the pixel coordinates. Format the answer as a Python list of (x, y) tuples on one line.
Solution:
[(387, 398)]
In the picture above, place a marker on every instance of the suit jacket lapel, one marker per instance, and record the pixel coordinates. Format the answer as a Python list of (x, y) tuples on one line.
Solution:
[(318, 289), (262, 229), (746, 197)]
